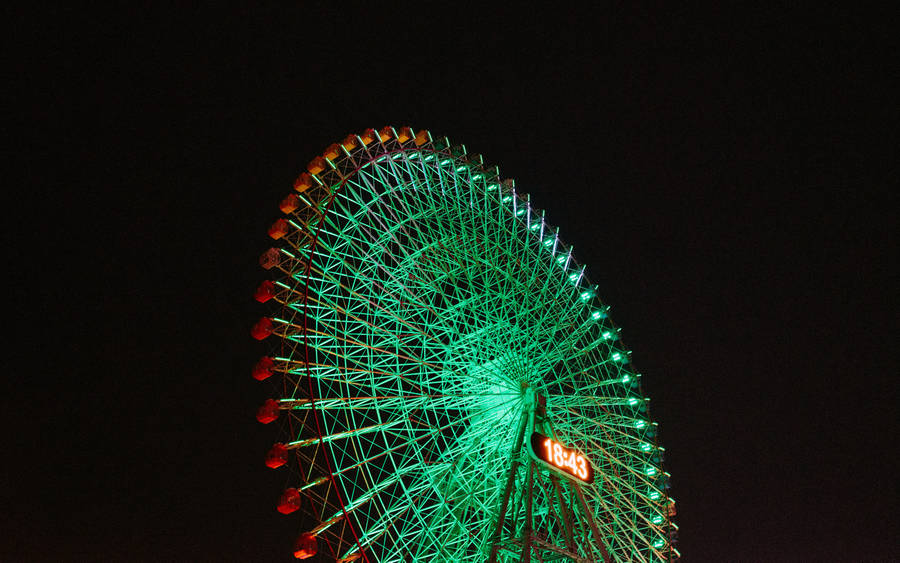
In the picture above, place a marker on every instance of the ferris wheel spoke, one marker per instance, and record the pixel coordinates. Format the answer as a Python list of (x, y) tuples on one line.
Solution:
[(323, 338), (326, 299), (627, 543), (406, 206), (605, 509), (390, 230), (551, 320), (622, 439), (383, 403), (381, 310), (409, 441), (612, 479), (590, 401), (386, 520), (343, 435), (330, 330), (354, 273), (352, 505)]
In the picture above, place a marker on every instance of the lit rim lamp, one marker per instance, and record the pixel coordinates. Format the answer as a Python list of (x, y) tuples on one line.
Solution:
[(600, 313), (619, 357)]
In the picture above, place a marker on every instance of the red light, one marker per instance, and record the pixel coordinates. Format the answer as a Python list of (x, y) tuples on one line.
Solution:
[(569, 461)]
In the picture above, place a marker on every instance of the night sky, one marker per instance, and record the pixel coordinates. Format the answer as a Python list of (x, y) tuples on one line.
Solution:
[(729, 177)]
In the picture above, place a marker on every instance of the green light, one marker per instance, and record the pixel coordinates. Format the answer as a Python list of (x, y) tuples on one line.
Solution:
[(658, 543), (416, 286), (657, 520)]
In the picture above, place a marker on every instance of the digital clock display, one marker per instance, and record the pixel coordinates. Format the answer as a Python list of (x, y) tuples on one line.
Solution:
[(558, 457)]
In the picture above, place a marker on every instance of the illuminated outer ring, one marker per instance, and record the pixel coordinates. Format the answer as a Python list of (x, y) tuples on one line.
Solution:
[(419, 297)]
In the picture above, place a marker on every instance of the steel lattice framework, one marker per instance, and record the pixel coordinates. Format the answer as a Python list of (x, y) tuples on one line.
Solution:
[(423, 306)]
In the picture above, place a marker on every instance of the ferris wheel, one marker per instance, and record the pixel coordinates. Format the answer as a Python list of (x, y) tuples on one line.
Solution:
[(448, 384)]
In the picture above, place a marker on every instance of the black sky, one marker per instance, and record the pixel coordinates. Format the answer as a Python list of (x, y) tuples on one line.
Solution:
[(729, 176)]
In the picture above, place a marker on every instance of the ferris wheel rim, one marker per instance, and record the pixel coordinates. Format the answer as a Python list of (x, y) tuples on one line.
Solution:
[(327, 447)]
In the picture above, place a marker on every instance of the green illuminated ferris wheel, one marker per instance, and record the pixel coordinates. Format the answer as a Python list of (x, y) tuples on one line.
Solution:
[(448, 384)]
